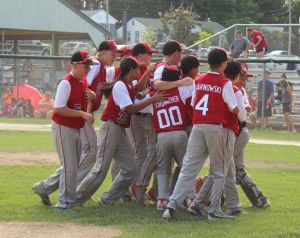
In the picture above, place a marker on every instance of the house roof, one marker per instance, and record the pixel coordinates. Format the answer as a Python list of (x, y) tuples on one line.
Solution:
[(99, 16), (42, 18), (156, 23)]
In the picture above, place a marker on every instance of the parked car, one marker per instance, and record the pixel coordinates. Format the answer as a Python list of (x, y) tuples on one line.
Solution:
[(69, 48), (203, 52), (26, 47), (282, 54)]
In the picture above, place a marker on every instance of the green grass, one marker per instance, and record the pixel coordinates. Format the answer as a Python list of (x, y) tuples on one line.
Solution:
[(272, 153), (274, 135), (27, 141), (18, 203), (37, 121)]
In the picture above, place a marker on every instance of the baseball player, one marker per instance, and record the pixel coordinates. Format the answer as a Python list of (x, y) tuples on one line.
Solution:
[(170, 124), (69, 116), (141, 130), (212, 96), (113, 141), (97, 76), (251, 190), (172, 51)]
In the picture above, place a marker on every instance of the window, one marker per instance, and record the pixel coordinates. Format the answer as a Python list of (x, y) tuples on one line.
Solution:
[(137, 37), (132, 23), (128, 36)]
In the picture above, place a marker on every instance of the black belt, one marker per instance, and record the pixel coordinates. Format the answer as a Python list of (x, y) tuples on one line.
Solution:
[(142, 114)]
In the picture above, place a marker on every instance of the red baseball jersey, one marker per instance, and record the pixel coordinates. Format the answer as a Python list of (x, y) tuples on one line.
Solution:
[(76, 101), (231, 120), (169, 114), (254, 39), (114, 113), (189, 111), (209, 106)]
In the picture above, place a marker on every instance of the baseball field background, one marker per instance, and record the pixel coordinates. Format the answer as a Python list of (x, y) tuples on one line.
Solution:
[(27, 155)]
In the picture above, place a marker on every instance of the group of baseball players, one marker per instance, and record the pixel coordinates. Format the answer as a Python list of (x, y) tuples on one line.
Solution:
[(161, 121)]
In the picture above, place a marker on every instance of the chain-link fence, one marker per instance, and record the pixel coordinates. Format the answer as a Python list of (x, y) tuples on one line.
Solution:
[(28, 85), (282, 40)]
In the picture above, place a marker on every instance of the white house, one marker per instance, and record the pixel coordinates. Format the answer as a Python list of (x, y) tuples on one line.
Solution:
[(137, 26), (99, 16)]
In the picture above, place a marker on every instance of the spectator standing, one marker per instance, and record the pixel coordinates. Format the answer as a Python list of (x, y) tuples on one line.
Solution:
[(259, 42), (265, 98), (287, 102), (239, 45)]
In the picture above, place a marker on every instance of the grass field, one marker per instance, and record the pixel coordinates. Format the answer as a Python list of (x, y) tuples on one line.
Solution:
[(18, 203), (281, 185)]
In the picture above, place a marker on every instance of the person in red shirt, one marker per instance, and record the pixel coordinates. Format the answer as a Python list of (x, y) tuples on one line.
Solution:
[(113, 141), (69, 116), (258, 42), (212, 97), (170, 123)]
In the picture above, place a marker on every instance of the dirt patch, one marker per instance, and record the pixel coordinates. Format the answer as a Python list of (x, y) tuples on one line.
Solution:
[(27, 158), (24, 127), (51, 158), (274, 142), (45, 230), (260, 164)]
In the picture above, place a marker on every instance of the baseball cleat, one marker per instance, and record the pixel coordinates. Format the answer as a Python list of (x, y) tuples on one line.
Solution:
[(188, 202), (127, 198), (266, 204), (238, 212), (44, 197), (218, 216), (197, 211), (151, 196), (161, 204), (139, 194), (169, 213)]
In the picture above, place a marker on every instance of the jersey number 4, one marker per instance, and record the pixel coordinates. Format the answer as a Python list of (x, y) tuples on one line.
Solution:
[(202, 105), (167, 118)]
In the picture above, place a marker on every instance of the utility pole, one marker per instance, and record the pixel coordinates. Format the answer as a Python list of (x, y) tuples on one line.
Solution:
[(125, 26), (290, 28), (107, 12)]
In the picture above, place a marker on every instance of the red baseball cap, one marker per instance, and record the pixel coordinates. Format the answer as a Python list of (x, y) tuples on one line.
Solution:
[(244, 71), (142, 48), (108, 45), (126, 50), (82, 57)]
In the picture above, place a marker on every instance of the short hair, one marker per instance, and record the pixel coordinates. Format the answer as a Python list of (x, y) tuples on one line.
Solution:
[(233, 69), (171, 47), (216, 57), (127, 64), (249, 30), (170, 73), (239, 32), (188, 63), (141, 48)]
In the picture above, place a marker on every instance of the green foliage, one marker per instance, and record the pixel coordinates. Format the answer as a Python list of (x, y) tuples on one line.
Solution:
[(178, 22), (204, 35), (149, 36)]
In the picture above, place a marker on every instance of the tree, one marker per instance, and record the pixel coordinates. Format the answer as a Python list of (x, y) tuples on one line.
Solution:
[(149, 36), (203, 35), (178, 22)]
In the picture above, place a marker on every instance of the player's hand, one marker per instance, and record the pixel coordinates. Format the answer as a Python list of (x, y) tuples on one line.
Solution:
[(89, 118), (248, 108), (159, 96), (90, 95), (187, 81)]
